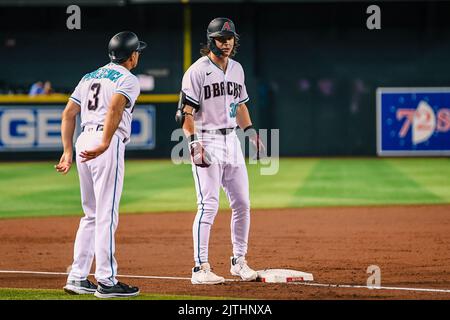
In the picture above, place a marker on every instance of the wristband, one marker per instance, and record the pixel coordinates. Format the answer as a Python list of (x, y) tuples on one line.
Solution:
[(249, 127), (192, 138)]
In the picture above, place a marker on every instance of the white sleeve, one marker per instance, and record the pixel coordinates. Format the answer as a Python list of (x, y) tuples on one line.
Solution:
[(130, 88), (191, 88), (76, 94), (243, 95)]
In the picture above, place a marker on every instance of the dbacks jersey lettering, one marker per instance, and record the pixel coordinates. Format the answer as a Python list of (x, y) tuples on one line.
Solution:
[(213, 93)]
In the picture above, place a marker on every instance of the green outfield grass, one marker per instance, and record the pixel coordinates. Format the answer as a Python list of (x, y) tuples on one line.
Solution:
[(46, 294), (35, 189)]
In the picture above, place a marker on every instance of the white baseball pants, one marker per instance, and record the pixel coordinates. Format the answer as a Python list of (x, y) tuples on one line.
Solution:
[(229, 172), (101, 182)]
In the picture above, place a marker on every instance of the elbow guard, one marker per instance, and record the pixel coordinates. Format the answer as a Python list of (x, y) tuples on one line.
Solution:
[(180, 115)]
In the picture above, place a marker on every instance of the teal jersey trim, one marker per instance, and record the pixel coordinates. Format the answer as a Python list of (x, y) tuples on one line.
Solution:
[(112, 215)]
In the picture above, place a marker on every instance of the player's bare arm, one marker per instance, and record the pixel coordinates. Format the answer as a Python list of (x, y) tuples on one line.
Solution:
[(188, 125), (113, 117), (245, 123), (68, 123), (199, 155), (243, 116)]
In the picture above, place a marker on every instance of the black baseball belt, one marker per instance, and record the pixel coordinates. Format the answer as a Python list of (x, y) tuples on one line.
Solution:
[(223, 131), (100, 128)]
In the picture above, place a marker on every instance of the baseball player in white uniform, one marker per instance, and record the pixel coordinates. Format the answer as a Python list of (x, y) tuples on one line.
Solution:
[(212, 104), (105, 98)]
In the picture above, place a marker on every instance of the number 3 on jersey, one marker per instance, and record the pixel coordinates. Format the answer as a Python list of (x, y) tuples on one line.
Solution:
[(95, 90), (233, 109)]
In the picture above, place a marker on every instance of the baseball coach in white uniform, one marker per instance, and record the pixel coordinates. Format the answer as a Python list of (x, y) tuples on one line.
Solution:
[(105, 98)]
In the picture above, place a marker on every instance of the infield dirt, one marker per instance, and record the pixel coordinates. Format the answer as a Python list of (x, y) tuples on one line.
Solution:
[(410, 244)]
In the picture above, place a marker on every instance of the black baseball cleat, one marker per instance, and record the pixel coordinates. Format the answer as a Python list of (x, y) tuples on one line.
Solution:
[(80, 287), (120, 290)]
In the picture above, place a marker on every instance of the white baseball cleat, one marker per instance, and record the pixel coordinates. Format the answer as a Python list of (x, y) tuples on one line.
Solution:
[(240, 268), (204, 275)]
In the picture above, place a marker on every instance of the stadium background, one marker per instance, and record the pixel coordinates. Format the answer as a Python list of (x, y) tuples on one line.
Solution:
[(313, 66), (312, 70)]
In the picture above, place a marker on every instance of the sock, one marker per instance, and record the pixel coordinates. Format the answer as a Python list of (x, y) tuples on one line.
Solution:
[(233, 261)]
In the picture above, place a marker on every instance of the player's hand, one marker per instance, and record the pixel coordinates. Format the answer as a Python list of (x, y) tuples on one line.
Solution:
[(257, 143), (199, 155), (94, 153), (64, 163)]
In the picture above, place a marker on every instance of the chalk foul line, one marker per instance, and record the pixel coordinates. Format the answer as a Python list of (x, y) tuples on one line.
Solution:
[(312, 284)]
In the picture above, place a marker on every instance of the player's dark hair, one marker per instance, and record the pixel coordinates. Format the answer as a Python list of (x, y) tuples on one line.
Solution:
[(204, 50)]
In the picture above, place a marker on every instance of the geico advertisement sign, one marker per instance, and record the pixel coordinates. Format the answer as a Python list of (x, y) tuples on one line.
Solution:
[(39, 128)]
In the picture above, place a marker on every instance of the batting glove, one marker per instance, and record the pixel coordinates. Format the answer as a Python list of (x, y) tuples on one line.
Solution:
[(200, 156)]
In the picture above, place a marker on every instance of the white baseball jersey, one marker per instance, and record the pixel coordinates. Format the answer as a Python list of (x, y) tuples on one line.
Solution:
[(101, 179), (95, 90), (215, 94)]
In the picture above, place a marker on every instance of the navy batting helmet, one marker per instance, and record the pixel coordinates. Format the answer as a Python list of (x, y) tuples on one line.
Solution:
[(123, 44), (219, 27)]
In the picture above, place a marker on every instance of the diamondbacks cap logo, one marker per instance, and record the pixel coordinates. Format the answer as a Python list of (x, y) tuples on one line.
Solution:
[(226, 26)]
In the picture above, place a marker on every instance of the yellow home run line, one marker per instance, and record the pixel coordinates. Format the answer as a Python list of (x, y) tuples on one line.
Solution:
[(62, 98), (187, 43), (337, 286)]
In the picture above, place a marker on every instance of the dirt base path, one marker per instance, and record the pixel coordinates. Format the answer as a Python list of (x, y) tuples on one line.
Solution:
[(411, 245)]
